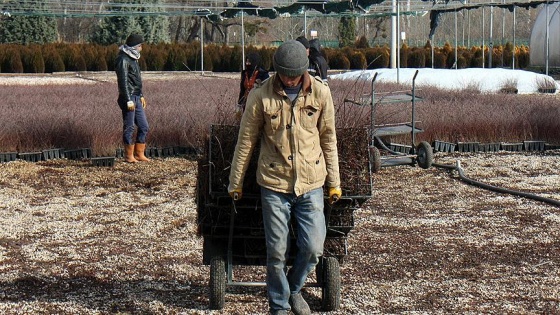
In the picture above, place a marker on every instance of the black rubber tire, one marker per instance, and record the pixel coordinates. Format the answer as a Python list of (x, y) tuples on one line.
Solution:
[(331, 284), (217, 283), (375, 156), (319, 272), (425, 155)]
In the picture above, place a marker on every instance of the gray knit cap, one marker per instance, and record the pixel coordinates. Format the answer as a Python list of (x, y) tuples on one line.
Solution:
[(290, 59)]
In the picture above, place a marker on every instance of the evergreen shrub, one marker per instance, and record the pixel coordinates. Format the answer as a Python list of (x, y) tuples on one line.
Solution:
[(61, 57), (357, 60), (72, 56), (156, 56), (377, 57), (522, 57), (53, 60), (32, 59), (440, 59), (404, 51), (338, 60), (416, 58), (11, 61)]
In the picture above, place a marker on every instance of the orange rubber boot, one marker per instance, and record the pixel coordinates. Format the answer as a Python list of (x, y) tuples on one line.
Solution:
[(129, 153), (139, 150)]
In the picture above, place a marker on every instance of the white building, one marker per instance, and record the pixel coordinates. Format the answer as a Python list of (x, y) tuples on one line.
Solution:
[(538, 37)]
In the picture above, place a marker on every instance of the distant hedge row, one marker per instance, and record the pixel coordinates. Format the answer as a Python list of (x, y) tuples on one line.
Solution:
[(184, 57), (420, 57)]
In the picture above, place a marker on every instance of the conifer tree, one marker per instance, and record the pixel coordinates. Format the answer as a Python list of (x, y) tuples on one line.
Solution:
[(346, 31), (132, 17), (28, 23)]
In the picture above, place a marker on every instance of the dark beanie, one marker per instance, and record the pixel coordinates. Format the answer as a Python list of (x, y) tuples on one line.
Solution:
[(134, 40), (303, 41), (254, 59), (290, 59)]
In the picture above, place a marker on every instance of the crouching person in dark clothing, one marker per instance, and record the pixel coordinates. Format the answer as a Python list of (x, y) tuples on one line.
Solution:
[(131, 100), (292, 117)]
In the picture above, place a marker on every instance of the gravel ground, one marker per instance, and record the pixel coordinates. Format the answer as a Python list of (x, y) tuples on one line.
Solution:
[(61, 78), (78, 239)]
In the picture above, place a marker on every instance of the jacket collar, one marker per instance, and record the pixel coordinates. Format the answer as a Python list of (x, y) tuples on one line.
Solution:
[(305, 88)]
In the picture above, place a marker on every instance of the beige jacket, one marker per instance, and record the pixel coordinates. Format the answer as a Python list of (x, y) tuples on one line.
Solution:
[(298, 150)]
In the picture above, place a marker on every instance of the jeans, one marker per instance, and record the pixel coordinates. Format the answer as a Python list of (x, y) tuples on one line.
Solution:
[(132, 119), (311, 232)]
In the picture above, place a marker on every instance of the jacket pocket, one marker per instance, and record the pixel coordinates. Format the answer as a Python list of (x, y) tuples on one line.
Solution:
[(273, 117), (273, 173), (314, 169), (309, 115)]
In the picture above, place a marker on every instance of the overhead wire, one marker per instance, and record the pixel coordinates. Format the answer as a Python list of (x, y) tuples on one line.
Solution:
[(75, 8)]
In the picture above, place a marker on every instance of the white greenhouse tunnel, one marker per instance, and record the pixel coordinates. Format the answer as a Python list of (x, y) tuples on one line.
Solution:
[(538, 41)]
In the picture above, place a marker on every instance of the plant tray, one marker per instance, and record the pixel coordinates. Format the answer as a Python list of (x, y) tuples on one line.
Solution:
[(31, 156), (78, 154), (8, 157), (103, 161)]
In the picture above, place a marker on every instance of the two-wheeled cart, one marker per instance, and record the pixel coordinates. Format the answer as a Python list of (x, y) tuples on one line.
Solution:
[(421, 154), (233, 233)]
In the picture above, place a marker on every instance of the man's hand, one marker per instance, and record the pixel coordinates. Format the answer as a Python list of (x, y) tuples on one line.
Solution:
[(130, 105), (334, 194), (144, 103), (235, 194)]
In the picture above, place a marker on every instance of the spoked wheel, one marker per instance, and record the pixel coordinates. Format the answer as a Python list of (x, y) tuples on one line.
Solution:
[(331, 284), (425, 155), (375, 159), (217, 283)]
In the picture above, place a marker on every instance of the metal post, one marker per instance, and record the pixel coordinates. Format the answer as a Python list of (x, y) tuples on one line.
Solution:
[(394, 34), (503, 31), (242, 41), (398, 41), (547, 38), (202, 45), (483, 48), (304, 22), (413, 112), (432, 49), (456, 43), (463, 29), (490, 40), (468, 26), (514, 46)]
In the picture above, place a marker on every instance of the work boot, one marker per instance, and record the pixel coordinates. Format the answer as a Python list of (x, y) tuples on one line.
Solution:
[(278, 312), (139, 150), (298, 304), (129, 153)]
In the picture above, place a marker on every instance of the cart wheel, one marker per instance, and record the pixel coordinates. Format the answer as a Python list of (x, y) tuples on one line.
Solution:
[(425, 157), (331, 284), (375, 159), (319, 272), (217, 283)]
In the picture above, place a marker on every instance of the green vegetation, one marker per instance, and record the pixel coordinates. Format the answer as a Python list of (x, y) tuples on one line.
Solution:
[(115, 29), (30, 29)]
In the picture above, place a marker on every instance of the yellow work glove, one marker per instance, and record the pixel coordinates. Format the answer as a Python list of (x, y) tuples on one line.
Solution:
[(130, 105), (235, 194), (334, 194), (144, 103)]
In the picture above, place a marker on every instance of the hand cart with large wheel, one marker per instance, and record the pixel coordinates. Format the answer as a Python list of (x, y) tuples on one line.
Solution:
[(421, 154), (233, 233)]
